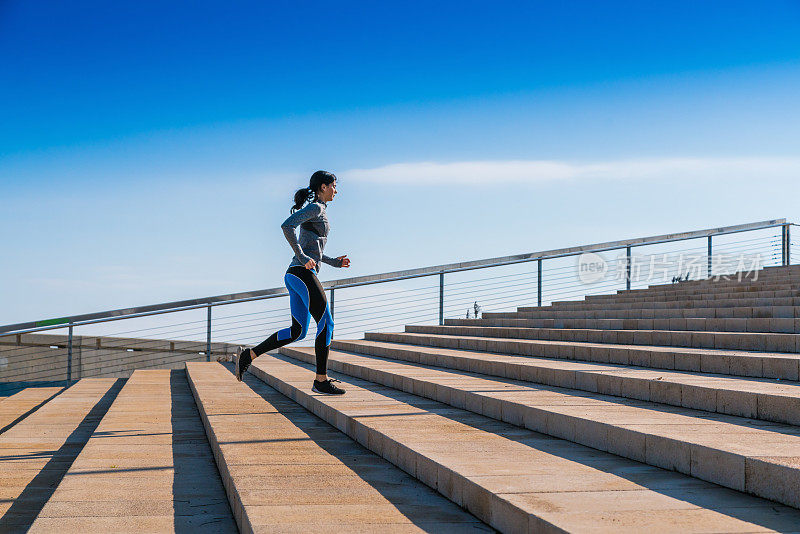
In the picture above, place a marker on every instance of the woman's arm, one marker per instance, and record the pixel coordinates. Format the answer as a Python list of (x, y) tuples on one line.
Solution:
[(300, 216), (336, 262), (339, 261)]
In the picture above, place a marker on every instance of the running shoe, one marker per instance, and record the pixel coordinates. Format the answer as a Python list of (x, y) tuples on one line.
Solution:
[(243, 361), (327, 387)]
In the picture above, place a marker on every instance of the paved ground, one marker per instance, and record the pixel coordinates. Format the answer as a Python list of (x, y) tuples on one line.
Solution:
[(36, 453), (146, 468)]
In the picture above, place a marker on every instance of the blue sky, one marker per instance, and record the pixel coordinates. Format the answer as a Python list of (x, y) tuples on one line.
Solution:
[(149, 151)]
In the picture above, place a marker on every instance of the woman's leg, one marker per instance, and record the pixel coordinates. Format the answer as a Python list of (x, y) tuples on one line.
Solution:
[(298, 303), (318, 306)]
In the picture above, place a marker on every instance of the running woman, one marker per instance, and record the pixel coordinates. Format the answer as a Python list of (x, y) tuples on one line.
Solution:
[(306, 295)]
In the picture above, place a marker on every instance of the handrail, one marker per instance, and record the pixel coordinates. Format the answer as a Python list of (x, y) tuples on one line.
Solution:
[(184, 305)]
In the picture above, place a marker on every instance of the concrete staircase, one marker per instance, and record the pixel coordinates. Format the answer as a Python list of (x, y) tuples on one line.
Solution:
[(287, 471), (698, 397), (669, 409)]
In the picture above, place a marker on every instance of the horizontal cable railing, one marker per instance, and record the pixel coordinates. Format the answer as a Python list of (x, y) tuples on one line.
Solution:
[(212, 327)]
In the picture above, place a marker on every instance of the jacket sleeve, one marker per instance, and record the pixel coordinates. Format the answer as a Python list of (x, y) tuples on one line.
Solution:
[(336, 262), (295, 219)]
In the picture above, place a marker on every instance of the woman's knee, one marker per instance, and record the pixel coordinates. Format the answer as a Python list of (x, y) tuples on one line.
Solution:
[(298, 331)]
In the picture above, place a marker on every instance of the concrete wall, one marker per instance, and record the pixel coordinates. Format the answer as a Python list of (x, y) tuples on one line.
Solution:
[(42, 359)]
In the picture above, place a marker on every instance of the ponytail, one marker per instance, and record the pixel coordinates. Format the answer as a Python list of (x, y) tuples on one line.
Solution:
[(300, 198), (308, 194)]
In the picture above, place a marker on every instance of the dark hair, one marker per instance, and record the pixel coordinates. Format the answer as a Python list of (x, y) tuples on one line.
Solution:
[(309, 193)]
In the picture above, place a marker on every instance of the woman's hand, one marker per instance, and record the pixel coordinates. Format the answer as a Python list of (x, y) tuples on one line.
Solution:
[(345, 261), (310, 264)]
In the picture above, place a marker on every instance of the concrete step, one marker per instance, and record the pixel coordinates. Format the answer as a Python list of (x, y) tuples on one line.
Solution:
[(519, 480), (720, 285), (747, 455), (17, 407), (146, 468), (772, 290), (743, 277), (626, 312), (727, 362), (732, 280), (716, 287), (285, 470), (39, 450), (708, 295), (710, 290), (739, 341), (763, 399), (691, 324), (707, 302)]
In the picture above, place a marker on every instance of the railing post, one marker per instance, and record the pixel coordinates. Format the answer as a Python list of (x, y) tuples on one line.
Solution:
[(628, 268), (69, 356), (539, 282), (208, 336), (441, 298), (785, 245), (709, 256), (332, 301), (788, 246)]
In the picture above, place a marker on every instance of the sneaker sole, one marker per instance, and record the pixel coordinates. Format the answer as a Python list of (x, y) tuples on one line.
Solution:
[(315, 390)]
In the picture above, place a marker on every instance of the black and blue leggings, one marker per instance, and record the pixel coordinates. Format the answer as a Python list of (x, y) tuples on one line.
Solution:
[(306, 296)]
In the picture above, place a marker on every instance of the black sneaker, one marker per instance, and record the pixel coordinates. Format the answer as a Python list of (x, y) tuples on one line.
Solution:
[(327, 387), (243, 362)]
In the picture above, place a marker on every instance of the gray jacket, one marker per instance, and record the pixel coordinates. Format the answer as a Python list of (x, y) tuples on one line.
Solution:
[(314, 228)]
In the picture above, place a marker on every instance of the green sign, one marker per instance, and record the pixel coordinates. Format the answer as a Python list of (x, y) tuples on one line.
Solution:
[(51, 322)]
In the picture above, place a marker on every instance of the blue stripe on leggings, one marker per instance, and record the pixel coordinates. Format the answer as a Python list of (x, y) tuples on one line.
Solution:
[(326, 323), (286, 333), (298, 302)]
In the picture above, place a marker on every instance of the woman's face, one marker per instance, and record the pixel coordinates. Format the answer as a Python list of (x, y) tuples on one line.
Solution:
[(327, 191)]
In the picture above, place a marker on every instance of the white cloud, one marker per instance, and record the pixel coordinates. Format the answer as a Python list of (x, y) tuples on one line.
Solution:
[(531, 171)]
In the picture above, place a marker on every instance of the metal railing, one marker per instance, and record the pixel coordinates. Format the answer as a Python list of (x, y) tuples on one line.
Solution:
[(421, 303)]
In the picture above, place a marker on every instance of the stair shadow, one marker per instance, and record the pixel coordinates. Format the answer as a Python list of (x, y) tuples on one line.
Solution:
[(199, 500), (369, 466), (33, 409), (8, 388), (26, 507), (636, 472)]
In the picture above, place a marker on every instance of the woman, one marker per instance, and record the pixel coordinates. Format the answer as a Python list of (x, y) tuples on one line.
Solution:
[(305, 292)]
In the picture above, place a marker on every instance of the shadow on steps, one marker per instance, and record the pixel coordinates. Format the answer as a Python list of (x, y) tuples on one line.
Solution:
[(424, 507), (199, 500), (682, 487), (21, 514)]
